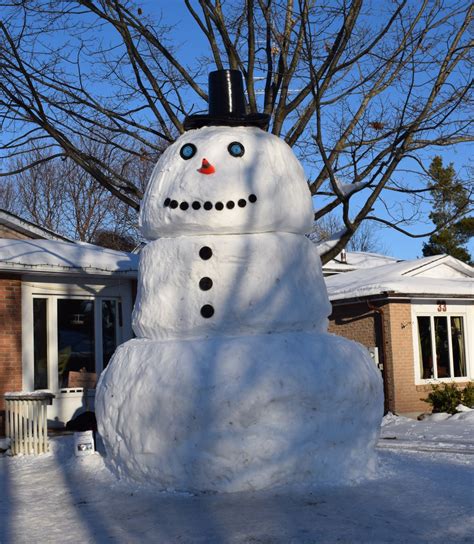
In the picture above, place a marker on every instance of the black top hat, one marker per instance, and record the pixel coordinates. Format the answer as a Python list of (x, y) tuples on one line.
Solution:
[(226, 104)]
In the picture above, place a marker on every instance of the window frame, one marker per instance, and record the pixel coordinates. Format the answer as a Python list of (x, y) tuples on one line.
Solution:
[(453, 308), (111, 290)]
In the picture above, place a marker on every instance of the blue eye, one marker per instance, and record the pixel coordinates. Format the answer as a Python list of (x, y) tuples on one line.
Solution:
[(188, 151), (236, 149)]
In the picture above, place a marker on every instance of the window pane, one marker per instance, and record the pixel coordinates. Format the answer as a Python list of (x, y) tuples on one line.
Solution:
[(40, 344), (426, 352), (76, 350), (442, 346), (459, 349), (109, 320)]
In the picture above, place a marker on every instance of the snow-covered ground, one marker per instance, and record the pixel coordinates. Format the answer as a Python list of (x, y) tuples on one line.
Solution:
[(423, 493)]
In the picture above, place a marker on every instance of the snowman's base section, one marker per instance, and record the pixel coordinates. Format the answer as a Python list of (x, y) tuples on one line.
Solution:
[(235, 414)]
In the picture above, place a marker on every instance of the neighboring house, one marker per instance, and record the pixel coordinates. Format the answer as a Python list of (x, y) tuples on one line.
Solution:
[(64, 307), (12, 226), (420, 316), (348, 261)]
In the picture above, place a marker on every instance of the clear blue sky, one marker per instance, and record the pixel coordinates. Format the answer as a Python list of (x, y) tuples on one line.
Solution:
[(190, 45), (190, 42)]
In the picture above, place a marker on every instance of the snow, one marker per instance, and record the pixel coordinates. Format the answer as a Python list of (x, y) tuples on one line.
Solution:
[(229, 383), (409, 277), (268, 169), (248, 296), (241, 413), (415, 497), (53, 256), (356, 260)]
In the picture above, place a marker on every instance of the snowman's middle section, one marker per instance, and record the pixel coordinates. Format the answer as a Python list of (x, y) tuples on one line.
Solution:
[(197, 286)]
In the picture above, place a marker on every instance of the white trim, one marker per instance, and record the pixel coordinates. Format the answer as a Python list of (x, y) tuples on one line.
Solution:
[(27, 354), (52, 317), (428, 308), (98, 340), (119, 291), (60, 270)]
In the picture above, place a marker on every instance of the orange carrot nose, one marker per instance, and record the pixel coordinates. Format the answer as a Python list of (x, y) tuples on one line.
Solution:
[(206, 167)]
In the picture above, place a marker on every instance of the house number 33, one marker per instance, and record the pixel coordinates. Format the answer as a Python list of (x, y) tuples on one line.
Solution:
[(441, 305)]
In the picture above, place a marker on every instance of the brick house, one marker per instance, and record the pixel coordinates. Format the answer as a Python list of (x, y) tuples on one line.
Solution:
[(64, 307), (417, 317)]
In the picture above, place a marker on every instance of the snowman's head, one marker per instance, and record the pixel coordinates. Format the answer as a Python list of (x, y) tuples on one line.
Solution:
[(226, 180)]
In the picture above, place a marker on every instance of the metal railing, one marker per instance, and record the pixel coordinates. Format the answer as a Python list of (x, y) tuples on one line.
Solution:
[(27, 422)]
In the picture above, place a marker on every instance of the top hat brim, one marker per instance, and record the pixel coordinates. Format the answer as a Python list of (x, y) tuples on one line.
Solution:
[(259, 120)]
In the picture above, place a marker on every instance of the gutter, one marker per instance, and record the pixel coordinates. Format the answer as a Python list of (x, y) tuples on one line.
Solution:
[(54, 269)]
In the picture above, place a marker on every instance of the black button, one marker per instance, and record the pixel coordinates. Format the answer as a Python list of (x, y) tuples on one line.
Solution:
[(207, 311), (184, 206), (196, 205), (173, 204), (205, 284), (166, 203), (205, 253), (219, 206), (242, 203), (230, 204), (208, 205), (252, 198)]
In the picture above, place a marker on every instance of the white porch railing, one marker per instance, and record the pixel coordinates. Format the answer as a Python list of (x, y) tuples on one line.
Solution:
[(27, 422)]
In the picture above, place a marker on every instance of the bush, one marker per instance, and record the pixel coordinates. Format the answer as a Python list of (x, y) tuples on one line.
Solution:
[(468, 395), (444, 398)]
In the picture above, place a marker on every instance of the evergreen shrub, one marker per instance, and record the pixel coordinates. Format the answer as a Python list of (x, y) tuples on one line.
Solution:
[(468, 395), (444, 398)]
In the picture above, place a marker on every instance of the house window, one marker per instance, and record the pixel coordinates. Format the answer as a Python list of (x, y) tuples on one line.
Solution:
[(40, 353), (76, 341), (109, 329), (71, 335), (442, 346)]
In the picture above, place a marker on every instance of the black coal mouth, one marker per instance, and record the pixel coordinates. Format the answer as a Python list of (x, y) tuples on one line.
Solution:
[(208, 205)]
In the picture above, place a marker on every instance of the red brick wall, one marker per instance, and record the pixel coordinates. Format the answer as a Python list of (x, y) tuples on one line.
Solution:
[(407, 395), (354, 321), (10, 339), (361, 323), (400, 358)]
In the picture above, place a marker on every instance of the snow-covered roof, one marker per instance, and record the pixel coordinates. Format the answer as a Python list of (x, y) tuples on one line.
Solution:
[(437, 275), (355, 260), (346, 261), (32, 230), (53, 257)]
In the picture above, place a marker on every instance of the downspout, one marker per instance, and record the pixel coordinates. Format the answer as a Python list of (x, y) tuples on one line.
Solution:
[(380, 311)]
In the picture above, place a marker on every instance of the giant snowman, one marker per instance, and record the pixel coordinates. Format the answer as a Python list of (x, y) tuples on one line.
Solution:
[(233, 383)]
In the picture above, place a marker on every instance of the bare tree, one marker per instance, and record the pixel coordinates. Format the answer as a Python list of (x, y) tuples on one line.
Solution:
[(366, 238), (59, 195), (357, 96)]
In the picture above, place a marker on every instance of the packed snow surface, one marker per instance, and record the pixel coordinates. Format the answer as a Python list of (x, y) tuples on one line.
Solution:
[(243, 413), (268, 169), (415, 497), (248, 295), (230, 383)]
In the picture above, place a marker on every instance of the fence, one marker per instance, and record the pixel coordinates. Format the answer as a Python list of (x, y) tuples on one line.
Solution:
[(27, 422)]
